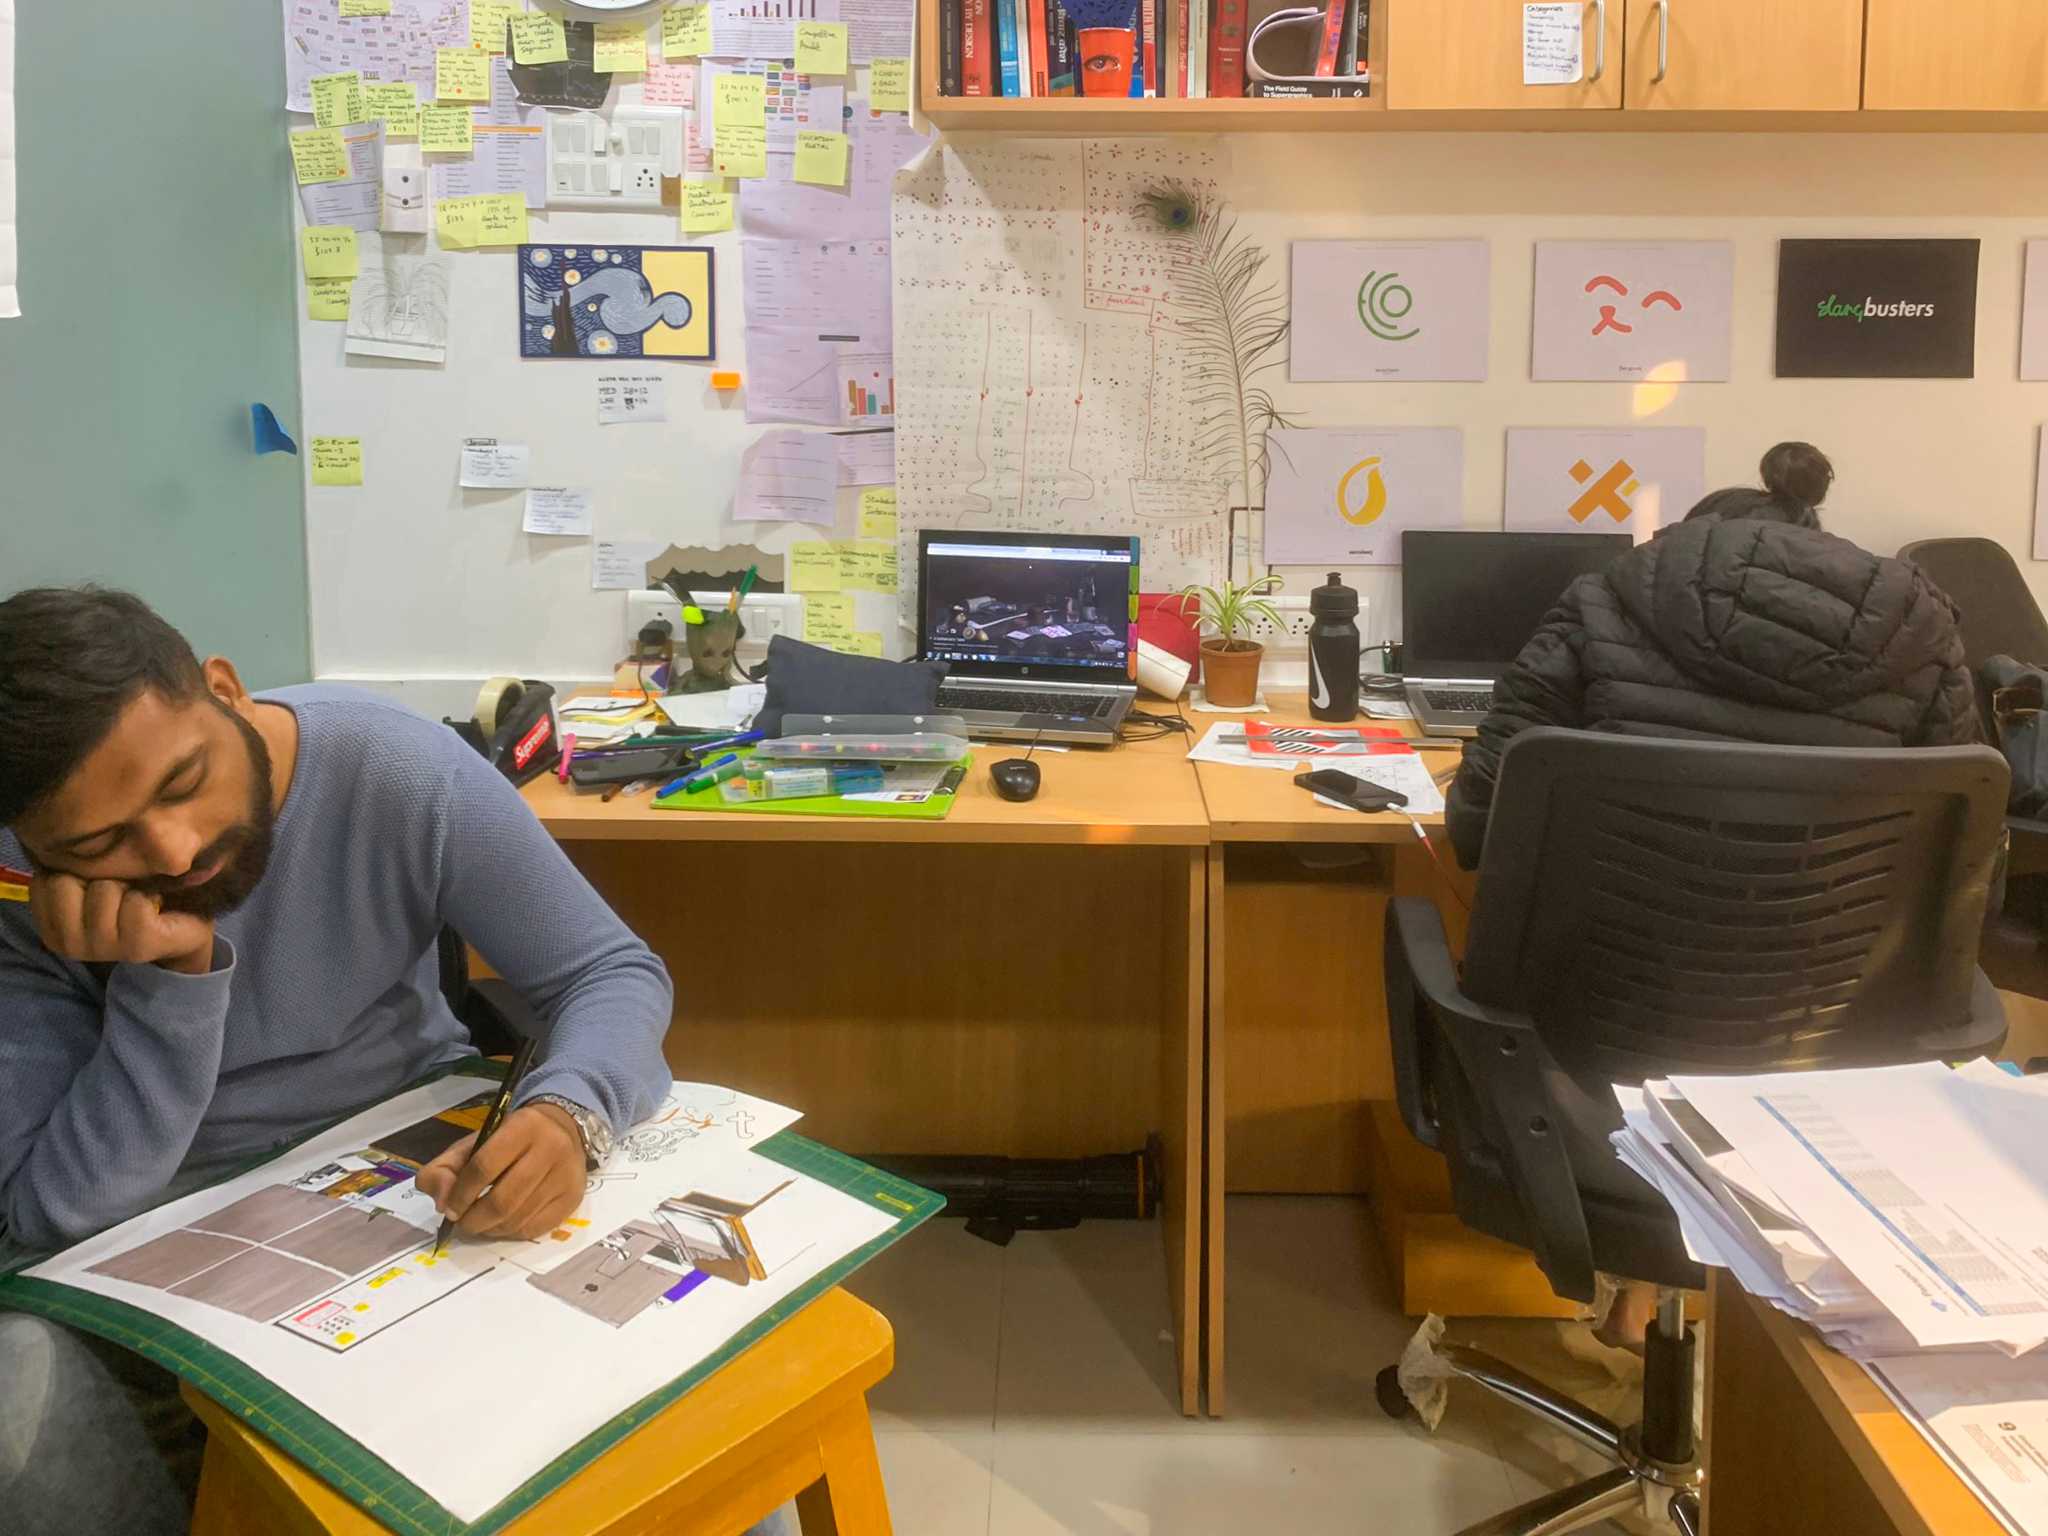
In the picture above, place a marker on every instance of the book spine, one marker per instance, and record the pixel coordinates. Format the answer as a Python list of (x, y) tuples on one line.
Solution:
[(1347, 47), (1226, 49), (1297, 90), (1021, 9), (977, 50), (1155, 48), (1059, 48), (1041, 47), (1140, 83), (1009, 76), (1198, 48), (1179, 46), (952, 27), (1333, 34)]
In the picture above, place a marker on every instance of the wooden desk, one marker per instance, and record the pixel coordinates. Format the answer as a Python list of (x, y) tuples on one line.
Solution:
[(1800, 1438), (1301, 1083), (1022, 980)]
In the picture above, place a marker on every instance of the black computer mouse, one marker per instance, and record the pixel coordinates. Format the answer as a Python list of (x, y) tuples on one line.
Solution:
[(1015, 778)]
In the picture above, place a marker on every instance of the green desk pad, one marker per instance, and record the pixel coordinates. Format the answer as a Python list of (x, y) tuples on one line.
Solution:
[(366, 1479), (934, 809)]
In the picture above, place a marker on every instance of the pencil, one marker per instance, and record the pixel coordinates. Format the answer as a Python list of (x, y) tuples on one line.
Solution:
[(521, 1060)]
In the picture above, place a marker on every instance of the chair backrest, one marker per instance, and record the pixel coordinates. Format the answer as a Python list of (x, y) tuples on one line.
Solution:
[(1659, 906), (2000, 616)]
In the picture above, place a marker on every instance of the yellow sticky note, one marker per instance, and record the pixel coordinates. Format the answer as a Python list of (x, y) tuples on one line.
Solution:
[(867, 642), (821, 158), (329, 250), (327, 297), (739, 101), (396, 105), (337, 461), (319, 155), (487, 20), (685, 31), (621, 47), (814, 567), (446, 130), (868, 566), (462, 74), (707, 206), (491, 218), (538, 38), (889, 85), (338, 99), (742, 150), (821, 47), (878, 512), (366, 7), (828, 618)]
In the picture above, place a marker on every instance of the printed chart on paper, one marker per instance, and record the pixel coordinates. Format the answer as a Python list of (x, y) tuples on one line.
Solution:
[(318, 40)]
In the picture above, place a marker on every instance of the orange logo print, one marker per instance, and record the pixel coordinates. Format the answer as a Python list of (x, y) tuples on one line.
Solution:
[(1606, 494)]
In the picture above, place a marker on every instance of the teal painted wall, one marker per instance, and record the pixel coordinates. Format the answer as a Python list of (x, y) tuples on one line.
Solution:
[(157, 295)]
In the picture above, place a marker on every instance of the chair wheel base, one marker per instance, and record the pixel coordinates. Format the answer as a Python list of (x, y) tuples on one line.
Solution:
[(1393, 1401)]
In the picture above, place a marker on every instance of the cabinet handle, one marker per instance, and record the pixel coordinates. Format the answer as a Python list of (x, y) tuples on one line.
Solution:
[(1599, 41), (1663, 41)]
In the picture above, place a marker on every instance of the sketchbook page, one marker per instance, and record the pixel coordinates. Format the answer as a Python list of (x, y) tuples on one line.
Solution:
[(319, 1272), (1044, 381)]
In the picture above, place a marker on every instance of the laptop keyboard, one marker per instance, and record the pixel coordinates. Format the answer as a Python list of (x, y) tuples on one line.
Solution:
[(1472, 700), (1007, 701)]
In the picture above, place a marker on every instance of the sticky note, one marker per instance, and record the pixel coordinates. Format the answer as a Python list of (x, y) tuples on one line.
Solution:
[(338, 99), (329, 250), (621, 46), (707, 206), (446, 130), (487, 20), (491, 218), (742, 150), (820, 157), (889, 85), (821, 47), (878, 512), (462, 74), (265, 435), (327, 297), (337, 461), (538, 38), (319, 155), (867, 643), (685, 31), (739, 101), (366, 7), (396, 104), (828, 618), (814, 567), (868, 566)]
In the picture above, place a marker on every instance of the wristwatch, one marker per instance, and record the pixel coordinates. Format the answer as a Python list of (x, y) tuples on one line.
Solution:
[(596, 1130)]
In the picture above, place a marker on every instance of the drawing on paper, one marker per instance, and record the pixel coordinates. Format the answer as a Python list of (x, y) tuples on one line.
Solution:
[(1610, 313), (400, 309), (663, 1257), (610, 301)]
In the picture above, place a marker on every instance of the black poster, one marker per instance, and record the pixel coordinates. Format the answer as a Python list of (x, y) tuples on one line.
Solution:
[(1877, 309)]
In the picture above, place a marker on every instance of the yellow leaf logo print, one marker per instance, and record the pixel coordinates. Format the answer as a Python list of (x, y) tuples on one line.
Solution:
[(1375, 502)]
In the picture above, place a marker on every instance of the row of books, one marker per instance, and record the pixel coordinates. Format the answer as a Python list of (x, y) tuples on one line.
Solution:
[(1182, 48)]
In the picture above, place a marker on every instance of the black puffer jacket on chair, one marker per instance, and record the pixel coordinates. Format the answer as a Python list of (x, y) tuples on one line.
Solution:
[(1733, 630)]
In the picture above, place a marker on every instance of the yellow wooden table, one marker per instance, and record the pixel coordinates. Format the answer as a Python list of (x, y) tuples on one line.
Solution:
[(1020, 980), (786, 1420)]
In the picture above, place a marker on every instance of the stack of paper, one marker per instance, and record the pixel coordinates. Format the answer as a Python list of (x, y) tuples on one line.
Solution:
[(1903, 1212)]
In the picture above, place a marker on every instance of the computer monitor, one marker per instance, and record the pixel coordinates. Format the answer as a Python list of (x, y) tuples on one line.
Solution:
[(1028, 604), (1470, 601)]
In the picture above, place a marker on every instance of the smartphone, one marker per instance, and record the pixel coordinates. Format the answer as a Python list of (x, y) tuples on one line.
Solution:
[(1356, 793)]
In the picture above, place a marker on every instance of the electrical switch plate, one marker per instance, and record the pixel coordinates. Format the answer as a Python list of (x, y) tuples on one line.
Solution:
[(618, 161)]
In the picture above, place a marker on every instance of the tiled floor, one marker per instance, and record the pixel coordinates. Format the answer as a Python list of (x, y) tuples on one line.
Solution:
[(1033, 1391)]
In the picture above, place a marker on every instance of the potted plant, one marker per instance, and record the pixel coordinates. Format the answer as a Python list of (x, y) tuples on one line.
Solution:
[(1230, 662)]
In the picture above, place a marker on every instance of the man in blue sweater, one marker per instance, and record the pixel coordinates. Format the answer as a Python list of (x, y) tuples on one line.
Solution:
[(229, 942)]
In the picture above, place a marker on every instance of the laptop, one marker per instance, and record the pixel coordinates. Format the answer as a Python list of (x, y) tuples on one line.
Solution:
[(1038, 629), (1470, 602)]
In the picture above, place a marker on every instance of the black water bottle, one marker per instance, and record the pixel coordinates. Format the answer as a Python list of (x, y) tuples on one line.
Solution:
[(1333, 652)]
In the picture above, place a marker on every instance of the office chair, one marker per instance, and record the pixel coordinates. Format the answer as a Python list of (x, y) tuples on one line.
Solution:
[(1649, 907), (495, 1015)]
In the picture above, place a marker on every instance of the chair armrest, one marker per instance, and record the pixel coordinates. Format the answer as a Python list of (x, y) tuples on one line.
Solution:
[(1509, 1070)]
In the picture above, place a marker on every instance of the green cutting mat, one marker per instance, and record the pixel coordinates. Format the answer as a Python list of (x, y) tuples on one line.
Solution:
[(367, 1480), (934, 809)]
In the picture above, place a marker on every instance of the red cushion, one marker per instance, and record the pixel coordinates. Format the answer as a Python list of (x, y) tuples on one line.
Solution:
[(1160, 623)]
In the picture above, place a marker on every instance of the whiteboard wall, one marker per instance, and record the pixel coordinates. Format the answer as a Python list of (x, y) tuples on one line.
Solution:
[(422, 587)]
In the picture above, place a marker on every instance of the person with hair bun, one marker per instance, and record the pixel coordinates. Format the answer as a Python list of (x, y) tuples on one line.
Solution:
[(1744, 622)]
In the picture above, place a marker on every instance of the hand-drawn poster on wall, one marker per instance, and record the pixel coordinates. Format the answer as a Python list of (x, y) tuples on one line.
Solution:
[(319, 40), (1042, 379), (320, 1271), (615, 301)]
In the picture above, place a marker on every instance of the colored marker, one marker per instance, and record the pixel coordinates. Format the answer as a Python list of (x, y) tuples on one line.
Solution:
[(716, 771), (13, 884), (568, 751)]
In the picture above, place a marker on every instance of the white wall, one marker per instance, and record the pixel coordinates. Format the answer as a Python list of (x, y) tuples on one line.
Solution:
[(415, 579)]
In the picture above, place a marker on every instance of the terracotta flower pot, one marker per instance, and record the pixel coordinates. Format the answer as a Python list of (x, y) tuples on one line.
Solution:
[(1230, 671)]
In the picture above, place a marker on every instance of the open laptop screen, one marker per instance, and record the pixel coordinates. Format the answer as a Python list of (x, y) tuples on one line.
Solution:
[(1470, 601), (1024, 605)]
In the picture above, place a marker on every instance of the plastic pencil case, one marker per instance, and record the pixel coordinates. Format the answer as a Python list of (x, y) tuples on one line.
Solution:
[(867, 739)]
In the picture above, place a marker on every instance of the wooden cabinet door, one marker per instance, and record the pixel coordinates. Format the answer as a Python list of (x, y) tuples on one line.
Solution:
[(1746, 55), (1958, 56), (1468, 54)]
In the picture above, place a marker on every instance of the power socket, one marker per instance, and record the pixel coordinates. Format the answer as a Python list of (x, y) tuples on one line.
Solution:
[(1290, 637), (764, 615)]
